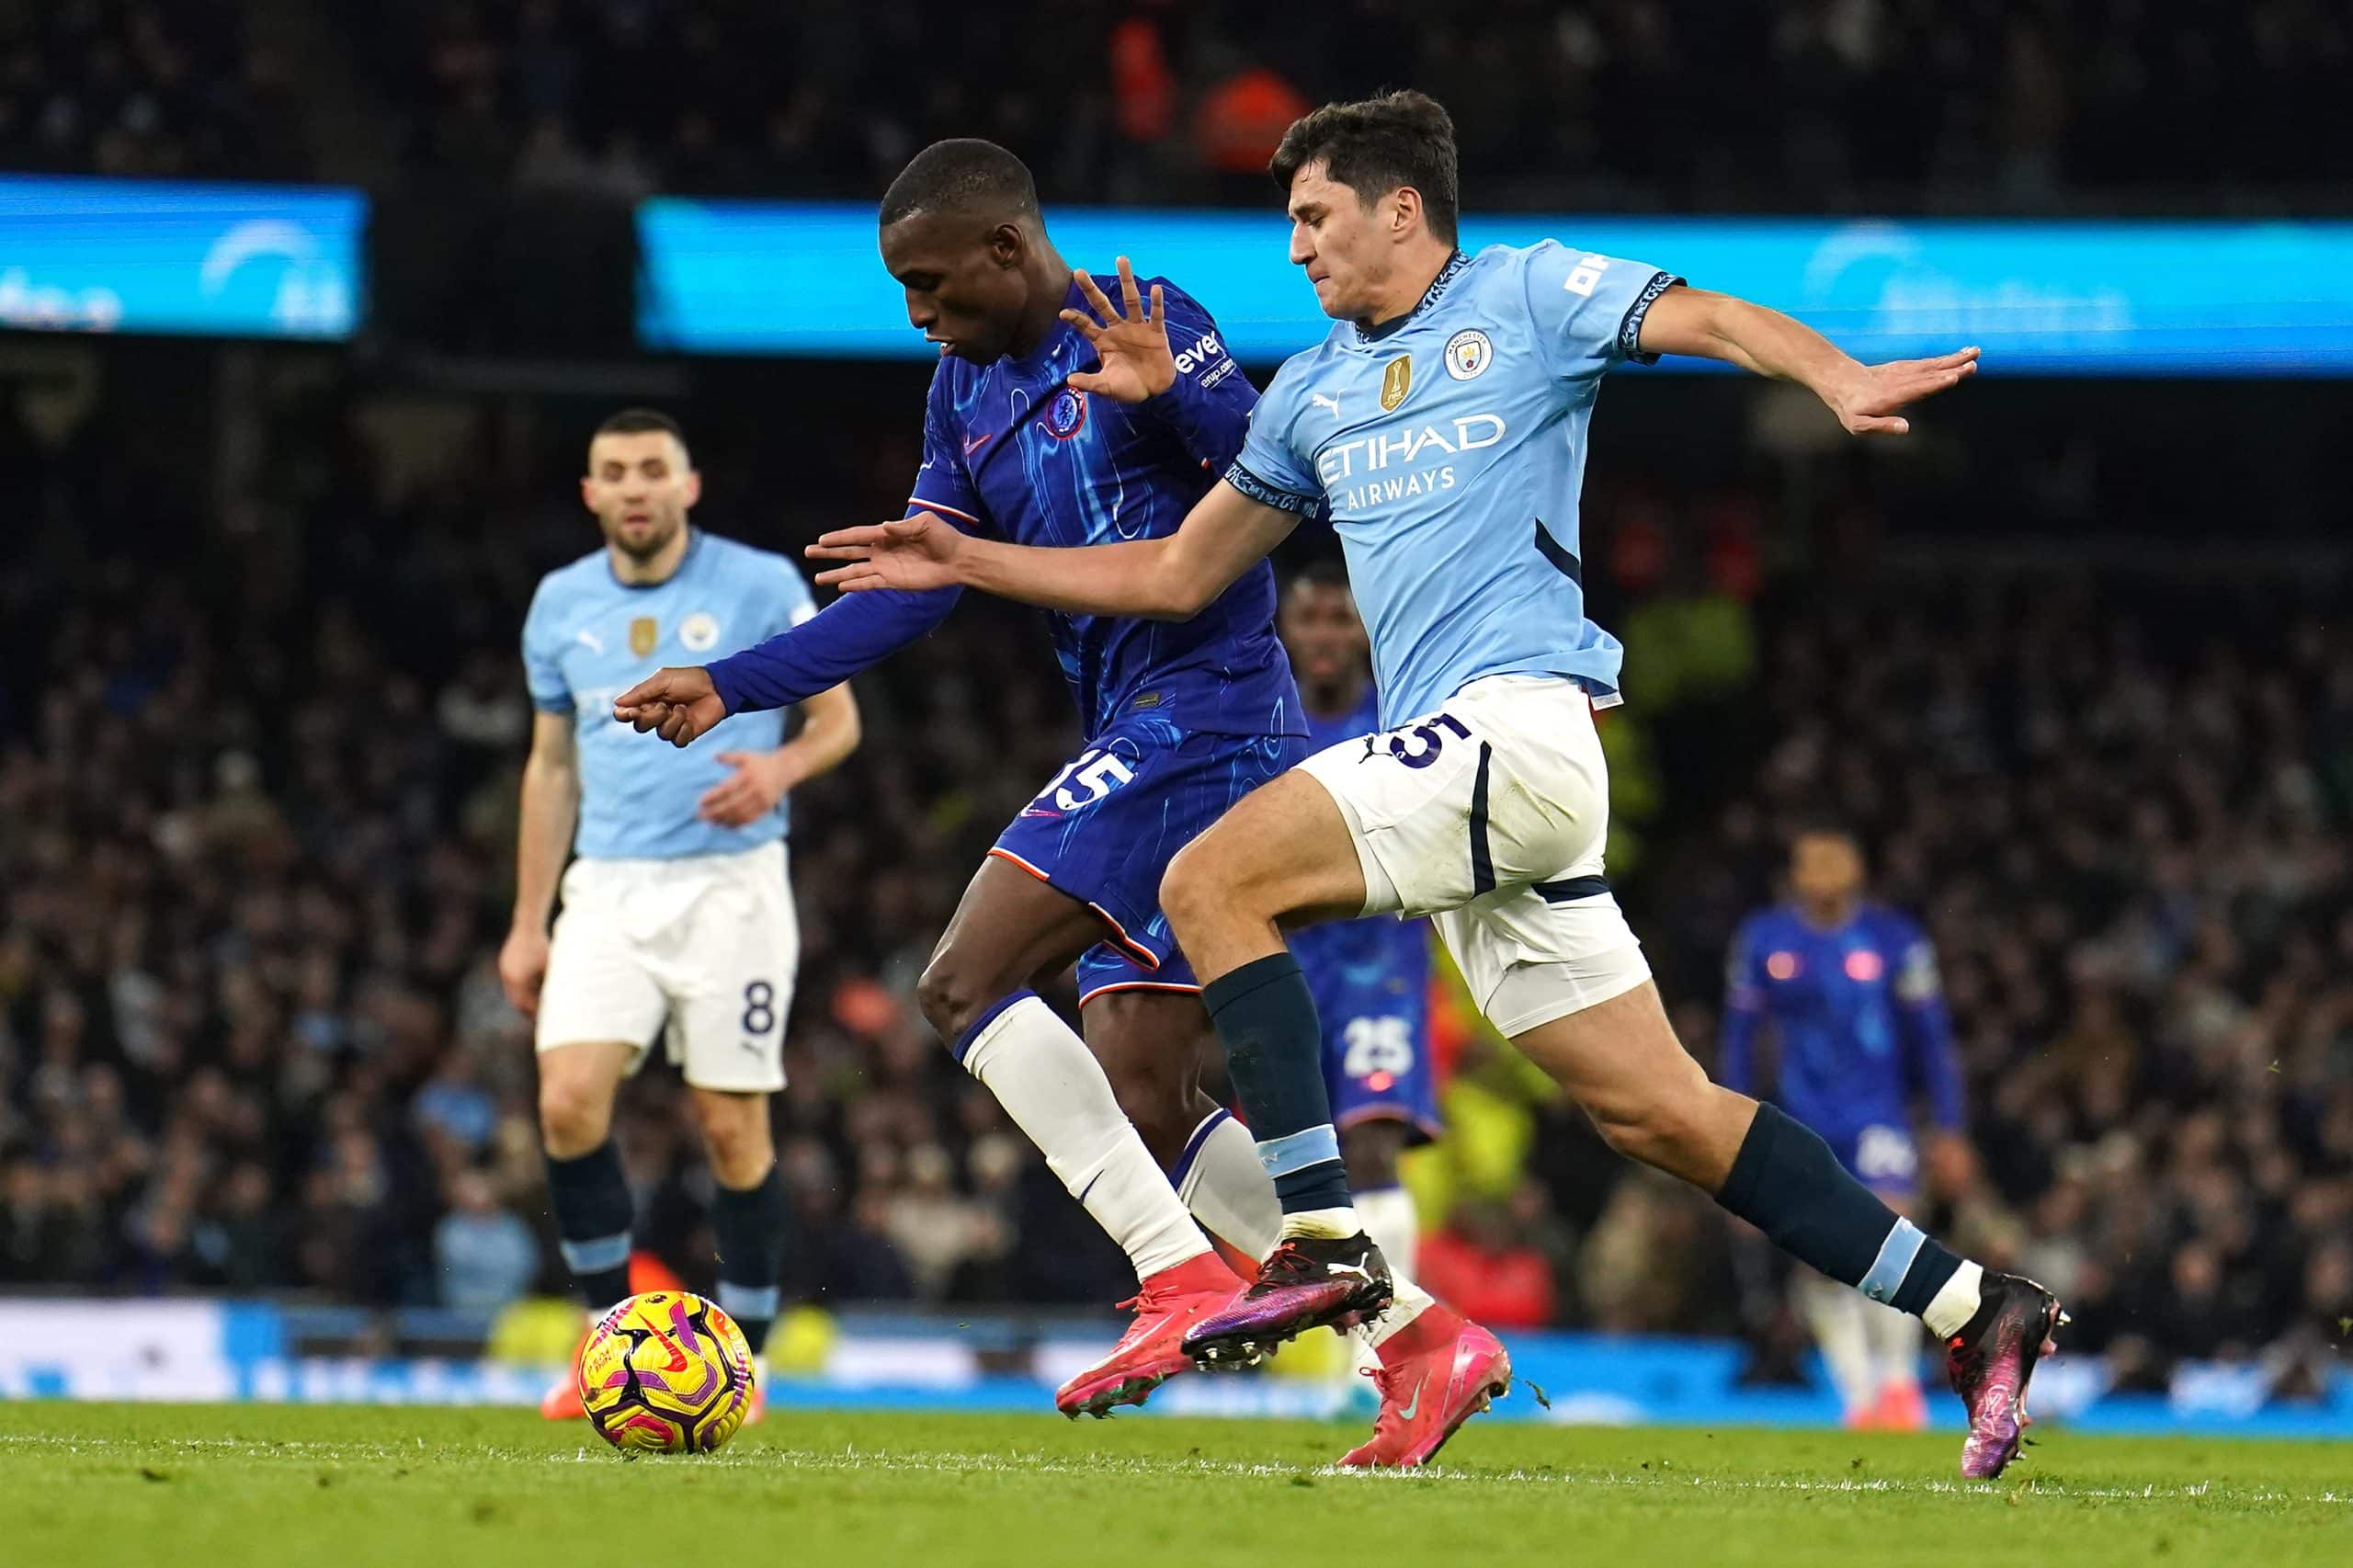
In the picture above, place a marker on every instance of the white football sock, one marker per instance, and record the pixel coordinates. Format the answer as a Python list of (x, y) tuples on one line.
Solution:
[(1955, 1304), (1228, 1190), (1895, 1341), (1054, 1090), (1394, 1223), (1834, 1312)]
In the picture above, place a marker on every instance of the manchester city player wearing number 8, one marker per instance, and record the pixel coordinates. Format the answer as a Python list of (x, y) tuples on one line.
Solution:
[(678, 921), (1038, 428), (1443, 426)]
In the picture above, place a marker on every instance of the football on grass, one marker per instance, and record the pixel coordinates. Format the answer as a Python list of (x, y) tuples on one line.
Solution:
[(667, 1372)]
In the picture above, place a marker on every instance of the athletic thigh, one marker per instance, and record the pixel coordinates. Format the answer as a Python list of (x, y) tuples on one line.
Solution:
[(1009, 930), (1283, 850)]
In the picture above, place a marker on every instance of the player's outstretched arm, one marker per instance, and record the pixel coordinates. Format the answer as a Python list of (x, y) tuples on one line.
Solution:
[(795, 666), (1154, 579), (1865, 398)]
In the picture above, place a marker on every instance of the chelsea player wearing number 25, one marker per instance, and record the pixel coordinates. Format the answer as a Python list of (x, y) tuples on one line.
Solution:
[(1037, 432), (1444, 426), (678, 918)]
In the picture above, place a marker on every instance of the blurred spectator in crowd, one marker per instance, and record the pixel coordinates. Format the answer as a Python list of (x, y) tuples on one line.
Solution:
[(484, 1256)]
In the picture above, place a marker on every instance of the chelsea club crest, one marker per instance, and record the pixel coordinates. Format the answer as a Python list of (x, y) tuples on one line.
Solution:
[(1066, 416), (1467, 353)]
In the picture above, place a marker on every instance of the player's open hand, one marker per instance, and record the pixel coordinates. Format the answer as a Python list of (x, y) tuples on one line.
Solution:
[(676, 704), (1866, 401), (1131, 347), (913, 555)]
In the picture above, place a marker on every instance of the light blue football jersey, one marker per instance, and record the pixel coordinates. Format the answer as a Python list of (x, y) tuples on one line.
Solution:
[(589, 637), (1448, 448)]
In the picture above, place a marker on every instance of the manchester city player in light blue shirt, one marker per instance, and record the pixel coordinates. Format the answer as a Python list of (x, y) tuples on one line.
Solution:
[(1443, 426), (677, 920)]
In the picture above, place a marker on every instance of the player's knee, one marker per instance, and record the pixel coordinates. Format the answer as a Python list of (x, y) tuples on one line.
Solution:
[(1189, 889), (576, 1116), (953, 997), (1662, 1124)]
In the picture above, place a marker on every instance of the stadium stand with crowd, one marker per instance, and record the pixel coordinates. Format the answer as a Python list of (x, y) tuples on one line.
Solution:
[(250, 1033)]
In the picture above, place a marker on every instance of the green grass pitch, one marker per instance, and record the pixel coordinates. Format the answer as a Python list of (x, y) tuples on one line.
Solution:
[(83, 1486)]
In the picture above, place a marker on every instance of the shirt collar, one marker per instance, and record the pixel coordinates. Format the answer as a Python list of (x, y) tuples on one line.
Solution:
[(1446, 274)]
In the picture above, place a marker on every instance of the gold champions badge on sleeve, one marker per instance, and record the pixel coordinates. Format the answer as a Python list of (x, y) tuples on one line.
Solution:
[(1396, 382)]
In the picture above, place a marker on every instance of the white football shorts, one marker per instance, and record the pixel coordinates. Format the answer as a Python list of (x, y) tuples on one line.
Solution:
[(1491, 816), (699, 950)]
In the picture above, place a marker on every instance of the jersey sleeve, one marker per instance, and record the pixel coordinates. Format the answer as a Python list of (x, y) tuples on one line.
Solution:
[(1271, 471), (825, 648), (1744, 1010), (1207, 408), (543, 657), (943, 485), (1588, 308), (1928, 1029)]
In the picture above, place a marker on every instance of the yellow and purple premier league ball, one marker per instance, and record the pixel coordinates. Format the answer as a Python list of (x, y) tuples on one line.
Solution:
[(667, 1372)]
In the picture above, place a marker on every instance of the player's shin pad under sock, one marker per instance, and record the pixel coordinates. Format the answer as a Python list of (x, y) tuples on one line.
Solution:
[(1786, 1182), (748, 1224), (1053, 1087), (1220, 1180), (1266, 1017), (593, 1212)]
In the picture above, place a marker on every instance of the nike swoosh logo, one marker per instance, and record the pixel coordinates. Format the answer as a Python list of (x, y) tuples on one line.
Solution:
[(1412, 1410), (977, 442)]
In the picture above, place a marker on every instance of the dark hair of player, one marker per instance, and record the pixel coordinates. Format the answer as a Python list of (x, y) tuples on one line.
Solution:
[(637, 421), (966, 172), (1822, 825), (1378, 145)]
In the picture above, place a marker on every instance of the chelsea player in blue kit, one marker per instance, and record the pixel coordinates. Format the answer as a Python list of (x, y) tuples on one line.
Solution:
[(1371, 977), (1028, 439), (678, 921), (1443, 426), (1849, 992)]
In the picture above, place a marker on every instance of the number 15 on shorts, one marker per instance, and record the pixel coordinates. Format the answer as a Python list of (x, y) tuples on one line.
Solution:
[(1095, 774)]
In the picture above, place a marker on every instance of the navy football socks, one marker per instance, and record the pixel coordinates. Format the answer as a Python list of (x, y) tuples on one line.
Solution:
[(749, 1228), (1786, 1183), (593, 1212), (1274, 1054)]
